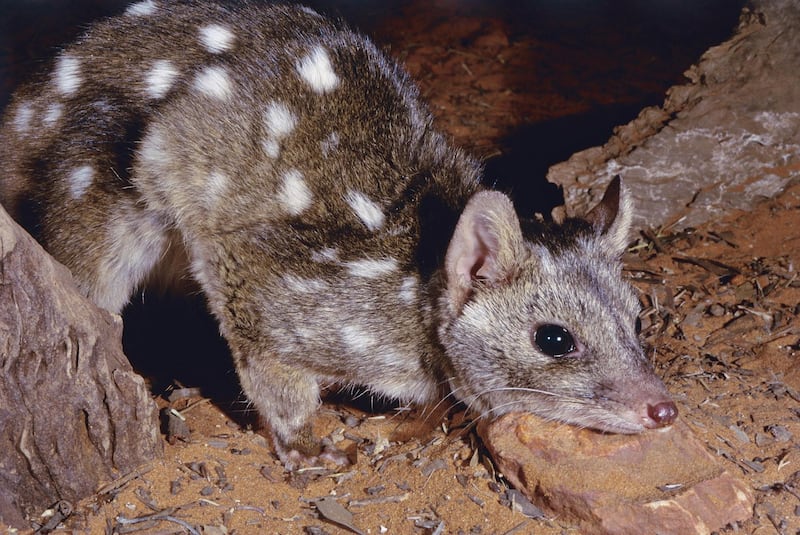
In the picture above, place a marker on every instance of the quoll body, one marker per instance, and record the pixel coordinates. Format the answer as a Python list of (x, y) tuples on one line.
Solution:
[(287, 166)]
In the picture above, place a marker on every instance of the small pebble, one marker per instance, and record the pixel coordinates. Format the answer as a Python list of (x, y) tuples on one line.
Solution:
[(756, 466), (438, 464), (781, 433), (740, 435), (476, 500), (218, 444), (337, 435), (426, 524), (716, 310), (351, 421), (519, 502), (763, 440), (372, 491), (207, 491), (266, 472), (259, 440)]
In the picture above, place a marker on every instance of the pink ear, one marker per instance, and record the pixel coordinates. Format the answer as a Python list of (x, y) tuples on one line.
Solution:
[(486, 248)]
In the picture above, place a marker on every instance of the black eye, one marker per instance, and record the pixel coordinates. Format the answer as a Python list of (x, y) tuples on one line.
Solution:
[(638, 325), (553, 340)]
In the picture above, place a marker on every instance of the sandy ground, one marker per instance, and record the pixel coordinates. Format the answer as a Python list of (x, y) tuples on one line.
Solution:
[(720, 314), (524, 90)]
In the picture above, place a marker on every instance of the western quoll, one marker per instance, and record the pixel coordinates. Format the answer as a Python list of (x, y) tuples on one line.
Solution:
[(288, 166)]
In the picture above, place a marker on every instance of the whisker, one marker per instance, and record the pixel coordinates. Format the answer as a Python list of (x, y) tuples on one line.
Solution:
[(529, 390), (450, 394), (520, 402)]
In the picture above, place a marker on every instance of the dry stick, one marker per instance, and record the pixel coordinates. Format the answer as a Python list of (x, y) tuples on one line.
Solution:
[(195, 405), (378, 500), (138, 472), (517, 528), (162, 515), (650, 235)]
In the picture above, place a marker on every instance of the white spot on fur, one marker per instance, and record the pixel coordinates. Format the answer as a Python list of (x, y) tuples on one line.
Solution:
[(367, 210), (408, 290), (79, 180), (52, 115), (216, 38), (160, 78), (328, 254), (279, 119), (68, 75), (357, 339), (216, 186), (370, 268), (213, 82), (294, 193), (302, 285), (310, 11), (22, 119), (280, 122), (329, 144), (152, 151), (272, 147), (316, 70), (147, 7)]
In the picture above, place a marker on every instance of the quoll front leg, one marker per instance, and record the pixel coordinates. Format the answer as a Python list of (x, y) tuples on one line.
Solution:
[(286, 398)]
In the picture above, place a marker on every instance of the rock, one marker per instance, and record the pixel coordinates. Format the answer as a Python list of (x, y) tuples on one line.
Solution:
[(73, 414), (726, 140), (661, 481)]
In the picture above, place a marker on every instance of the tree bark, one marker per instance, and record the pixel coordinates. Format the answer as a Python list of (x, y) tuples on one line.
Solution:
[(73, 413)]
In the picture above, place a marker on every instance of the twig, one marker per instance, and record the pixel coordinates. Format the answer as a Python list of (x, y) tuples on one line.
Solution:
[(517, 528), (379, 500), (142, 470), (166, 514)]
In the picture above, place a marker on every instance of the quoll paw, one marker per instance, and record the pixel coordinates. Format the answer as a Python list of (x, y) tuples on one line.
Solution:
[(294, 459), (306, 450)]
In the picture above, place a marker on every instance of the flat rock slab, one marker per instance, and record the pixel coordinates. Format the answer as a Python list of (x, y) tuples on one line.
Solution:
[(723, 142), (662, 481)]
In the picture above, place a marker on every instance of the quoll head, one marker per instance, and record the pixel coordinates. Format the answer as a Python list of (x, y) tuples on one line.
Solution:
[(543, 322)]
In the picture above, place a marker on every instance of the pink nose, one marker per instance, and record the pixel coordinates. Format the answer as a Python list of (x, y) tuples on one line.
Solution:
[(662, 414)]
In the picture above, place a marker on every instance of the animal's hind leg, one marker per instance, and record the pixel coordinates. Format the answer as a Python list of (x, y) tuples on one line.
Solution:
[(135, 243), (111, 247)]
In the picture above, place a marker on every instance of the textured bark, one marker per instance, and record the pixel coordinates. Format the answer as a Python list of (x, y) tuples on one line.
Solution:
[(724, 141), (660, 481), (73, 413)]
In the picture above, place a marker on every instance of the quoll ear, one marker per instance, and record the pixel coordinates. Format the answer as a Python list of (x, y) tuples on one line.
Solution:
[(486, 248), (613, 216)]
